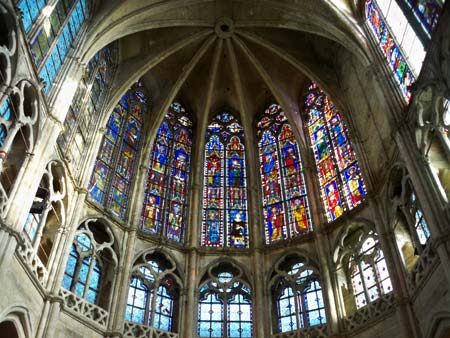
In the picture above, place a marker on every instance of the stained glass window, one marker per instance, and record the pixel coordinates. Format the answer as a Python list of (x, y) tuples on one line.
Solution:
[(67, 34), (84, 111), (55, 34), (285, 204), (387, 39), (341, 185), (152, 297), (427, 12), (114, 167), (225, 220), (166, 193), (299, 298), (368, 272), (224, 308)]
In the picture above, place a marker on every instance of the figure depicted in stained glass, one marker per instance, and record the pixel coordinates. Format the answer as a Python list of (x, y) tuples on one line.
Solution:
[(333, 201), (225, 204), (132, 134), (290, 159), (235, 171), (355, 185), (213, 223), (168, 175), (98, 182), (214, 169), (270, 173), (151, 213), (175, 222), (180, 163), (300, 216), (237, 228), (275, 222)]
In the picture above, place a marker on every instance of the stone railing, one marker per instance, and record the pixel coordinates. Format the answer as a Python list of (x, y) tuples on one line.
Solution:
[(136, 330), (423, 267), (29, 257), (82, 308), (317, 331), (370, 312)]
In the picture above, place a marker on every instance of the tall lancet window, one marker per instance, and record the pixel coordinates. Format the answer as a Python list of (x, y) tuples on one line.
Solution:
[(114, 167), (341, 185), (402, 29), (52, 28), (286, 207), (225, 185), (166, 194)]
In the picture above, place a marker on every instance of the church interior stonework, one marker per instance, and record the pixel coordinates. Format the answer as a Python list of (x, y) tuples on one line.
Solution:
[(224, 168)]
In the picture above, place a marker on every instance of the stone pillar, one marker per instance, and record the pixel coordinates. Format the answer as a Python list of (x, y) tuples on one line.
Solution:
[(120, 292), (396, 271)]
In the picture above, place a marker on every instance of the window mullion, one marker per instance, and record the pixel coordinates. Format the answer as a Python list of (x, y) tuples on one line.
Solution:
[(298, 306), (283, 188), (152, 311), (361, 272), (165, 199), (76, 274), (88, 277), (374, 265), (225, 316)]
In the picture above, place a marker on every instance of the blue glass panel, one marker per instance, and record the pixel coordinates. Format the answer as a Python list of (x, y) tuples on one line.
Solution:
[(67, 282), (84, 270), (91, 296), (71, 265), (94, 282), (79, 289), (5, 110)]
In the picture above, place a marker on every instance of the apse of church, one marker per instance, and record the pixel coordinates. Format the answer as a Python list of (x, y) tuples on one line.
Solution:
[(228, 169)]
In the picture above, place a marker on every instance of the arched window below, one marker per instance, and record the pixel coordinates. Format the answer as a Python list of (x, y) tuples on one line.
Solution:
[(412, 233), (153, 295), (89, 272), (297, 296), (225, 304), (362, 268)]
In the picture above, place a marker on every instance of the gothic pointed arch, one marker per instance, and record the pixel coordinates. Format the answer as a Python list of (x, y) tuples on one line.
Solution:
[(298, 302), (154, 293), (90, 272), (361, 268), (224, 302)]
